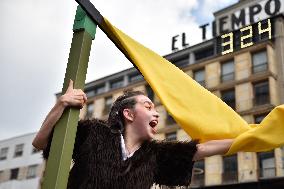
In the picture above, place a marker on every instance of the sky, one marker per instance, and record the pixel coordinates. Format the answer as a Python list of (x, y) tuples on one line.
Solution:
[(36, 35)]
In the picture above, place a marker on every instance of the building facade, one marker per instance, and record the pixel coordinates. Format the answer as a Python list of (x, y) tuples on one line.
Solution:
[(250, 79), (21, 165), (246, 73)]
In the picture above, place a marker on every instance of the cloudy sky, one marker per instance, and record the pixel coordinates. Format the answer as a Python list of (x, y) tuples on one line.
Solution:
[(35, 37)]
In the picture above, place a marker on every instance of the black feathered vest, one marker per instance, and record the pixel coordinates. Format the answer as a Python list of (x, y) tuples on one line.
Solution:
[(98, 161)]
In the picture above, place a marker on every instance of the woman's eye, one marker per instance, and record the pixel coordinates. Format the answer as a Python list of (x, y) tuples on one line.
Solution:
[(148, 107)]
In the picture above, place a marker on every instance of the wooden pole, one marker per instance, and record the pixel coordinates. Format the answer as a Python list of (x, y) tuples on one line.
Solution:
[(58, 163)]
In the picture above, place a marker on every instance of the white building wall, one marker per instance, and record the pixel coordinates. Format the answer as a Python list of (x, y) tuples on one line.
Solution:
[(22, 162), (21, 184)]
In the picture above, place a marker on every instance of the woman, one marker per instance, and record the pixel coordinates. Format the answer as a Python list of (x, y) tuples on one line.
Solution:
[(120, 152)]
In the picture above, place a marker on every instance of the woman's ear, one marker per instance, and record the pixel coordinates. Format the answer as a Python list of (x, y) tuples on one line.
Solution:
[(128, 114)]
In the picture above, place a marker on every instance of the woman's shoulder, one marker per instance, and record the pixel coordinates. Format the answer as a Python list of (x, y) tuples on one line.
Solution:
[(93, 125)]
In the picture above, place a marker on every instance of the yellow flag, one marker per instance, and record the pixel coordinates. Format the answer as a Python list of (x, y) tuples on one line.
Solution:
[(201, 114)]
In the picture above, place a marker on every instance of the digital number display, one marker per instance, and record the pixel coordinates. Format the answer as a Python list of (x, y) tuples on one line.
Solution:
[(245, 37)]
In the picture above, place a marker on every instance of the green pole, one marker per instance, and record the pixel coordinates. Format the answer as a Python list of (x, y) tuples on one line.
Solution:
[(59, 161)]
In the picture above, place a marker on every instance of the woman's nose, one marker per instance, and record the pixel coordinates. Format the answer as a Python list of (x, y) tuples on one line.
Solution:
[(156, 114)]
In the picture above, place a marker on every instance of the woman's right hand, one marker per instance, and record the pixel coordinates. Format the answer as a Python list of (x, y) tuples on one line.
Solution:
[(73, 97)]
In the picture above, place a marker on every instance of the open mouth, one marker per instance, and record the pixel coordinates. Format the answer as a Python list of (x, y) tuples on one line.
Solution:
[(153, 123)]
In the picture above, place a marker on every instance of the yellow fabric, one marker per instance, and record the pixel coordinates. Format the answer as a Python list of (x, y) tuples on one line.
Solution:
[(201, 114)]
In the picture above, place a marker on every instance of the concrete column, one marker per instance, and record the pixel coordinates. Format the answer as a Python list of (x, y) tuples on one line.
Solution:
[(242, 66), (247, 166), (279, 55), (213, 170), (279, 162), (244, 96), (212, 74)]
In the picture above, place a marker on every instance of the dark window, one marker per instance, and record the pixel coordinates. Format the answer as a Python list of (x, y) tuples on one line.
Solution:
[(14, 173), (198, 174), (135, 78), (171, 136), (116, 84), (261, 93), (150, 92), (229, 98), (34, 150), (266, 164), (99, 89), (204, 53), (19, 150), (230, 169), (3, 153), (199, 76), (181, 61), (259, 118), (1, 176), (32, 170), (108, 104), (90, 93), (259, 62), (90, 110), (170, 120), (228, 71)]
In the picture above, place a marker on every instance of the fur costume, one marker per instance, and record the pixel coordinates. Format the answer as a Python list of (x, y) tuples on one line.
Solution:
[(98, 161)]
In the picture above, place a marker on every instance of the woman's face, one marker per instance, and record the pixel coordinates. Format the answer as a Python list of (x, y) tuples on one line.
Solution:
[(145, 118)]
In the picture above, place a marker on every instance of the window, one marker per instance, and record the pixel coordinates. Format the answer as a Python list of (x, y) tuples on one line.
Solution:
[(228, 71), (229, 98), (170, 120), (204, 53), (261, 93), (259, 118), (90, 110), (117, 83), (135, 78), (198, 174), (34, 150), (108, 103), (230, 169), (266, 164), (19, 150), (150, 92), (90, 93), (181, 60), (32, 170), (3, 153), (171, 136), (14, 173), (99, 89), (1, 176), (199, 76), (259, 62)]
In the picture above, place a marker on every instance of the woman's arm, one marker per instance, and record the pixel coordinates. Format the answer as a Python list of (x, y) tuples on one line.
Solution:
[(72, 98), (211, 148)]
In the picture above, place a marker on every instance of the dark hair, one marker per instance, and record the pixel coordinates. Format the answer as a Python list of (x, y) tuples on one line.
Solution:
[(116, 118)]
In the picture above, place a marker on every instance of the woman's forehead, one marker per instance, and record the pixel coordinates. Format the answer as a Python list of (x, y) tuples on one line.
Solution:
[(143, 99)]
